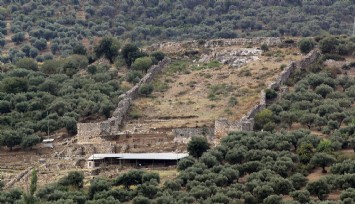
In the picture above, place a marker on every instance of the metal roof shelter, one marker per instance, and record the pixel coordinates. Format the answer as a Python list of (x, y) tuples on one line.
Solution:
[(140, 156), (136, 159)]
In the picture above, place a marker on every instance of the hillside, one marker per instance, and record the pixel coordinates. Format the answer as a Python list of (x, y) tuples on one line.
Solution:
[(177, 101), (218, 82), (40, 29), (304, 155)]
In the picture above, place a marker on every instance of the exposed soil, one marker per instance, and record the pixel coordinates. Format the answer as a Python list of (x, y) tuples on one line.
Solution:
[(196, 98)]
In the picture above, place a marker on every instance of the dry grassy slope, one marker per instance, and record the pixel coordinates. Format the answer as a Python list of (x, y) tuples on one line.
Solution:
[(198, 97)]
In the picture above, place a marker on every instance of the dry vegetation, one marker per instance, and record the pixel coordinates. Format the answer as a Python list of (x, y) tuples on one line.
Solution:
[(192, 94)]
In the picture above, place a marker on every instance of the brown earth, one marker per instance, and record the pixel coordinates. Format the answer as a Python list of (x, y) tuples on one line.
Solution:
[(196, 97)]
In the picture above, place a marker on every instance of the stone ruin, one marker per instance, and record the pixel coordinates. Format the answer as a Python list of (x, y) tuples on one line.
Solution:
[(183, 135), (87, 132), (246, 123), (233, 57), (176, 47), (106, 136)]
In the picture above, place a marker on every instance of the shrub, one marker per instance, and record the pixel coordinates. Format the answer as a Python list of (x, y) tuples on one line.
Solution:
[(197, 146), (18, 37), (302, 196), (73, 178), (108, 47), (149, 176), (142, 63), (27, 63), (51, 66), (134, 77), (332, 56), (306, 45), (157, 56), (146, 89), (270, 94), (264, 47), (328, 44)]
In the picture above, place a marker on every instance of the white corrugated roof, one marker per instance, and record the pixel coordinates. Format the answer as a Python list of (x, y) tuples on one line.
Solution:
[(47, 140), (148, 156)]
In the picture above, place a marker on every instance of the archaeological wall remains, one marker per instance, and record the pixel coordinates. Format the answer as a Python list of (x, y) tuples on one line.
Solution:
[(183, 135), (175, 47), (89, 131), (246, 123), (108, 135)]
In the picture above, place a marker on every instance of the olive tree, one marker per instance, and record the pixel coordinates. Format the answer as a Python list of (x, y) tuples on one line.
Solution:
[(306, 45), (108, 47), (322, 160), (142, 63), (302, 196), (197, 146), (319, 188)]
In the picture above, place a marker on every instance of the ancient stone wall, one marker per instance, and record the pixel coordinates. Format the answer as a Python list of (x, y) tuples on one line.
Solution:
[(87, 131), (183, 135), (175, 47), (246, 123)]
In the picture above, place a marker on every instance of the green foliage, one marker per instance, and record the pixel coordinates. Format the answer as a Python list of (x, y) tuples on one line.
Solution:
[(11, 196), (73, 64), (263, 118), (270, 94), (74, 179), (306, 45), (146, 89), (92, 69), (184, 163), (332, 56), (319, 188), (133, 177), (51, 66), (29, 141), (10, 139), (79, 49), (149, 189), (148, 176), (328, 44), (130, 53), (348, 196), (141, 200), (108, 47), (305, 152), (29, 196), (322, 160), (302, 196), (298, 180), (324, 90), (197, 146), (157, 56), (27, 63), (273, 199), (14, 85), (325, 146), (142, 63), (18, 37), (98, 185), (345, 167), (264, 47)]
